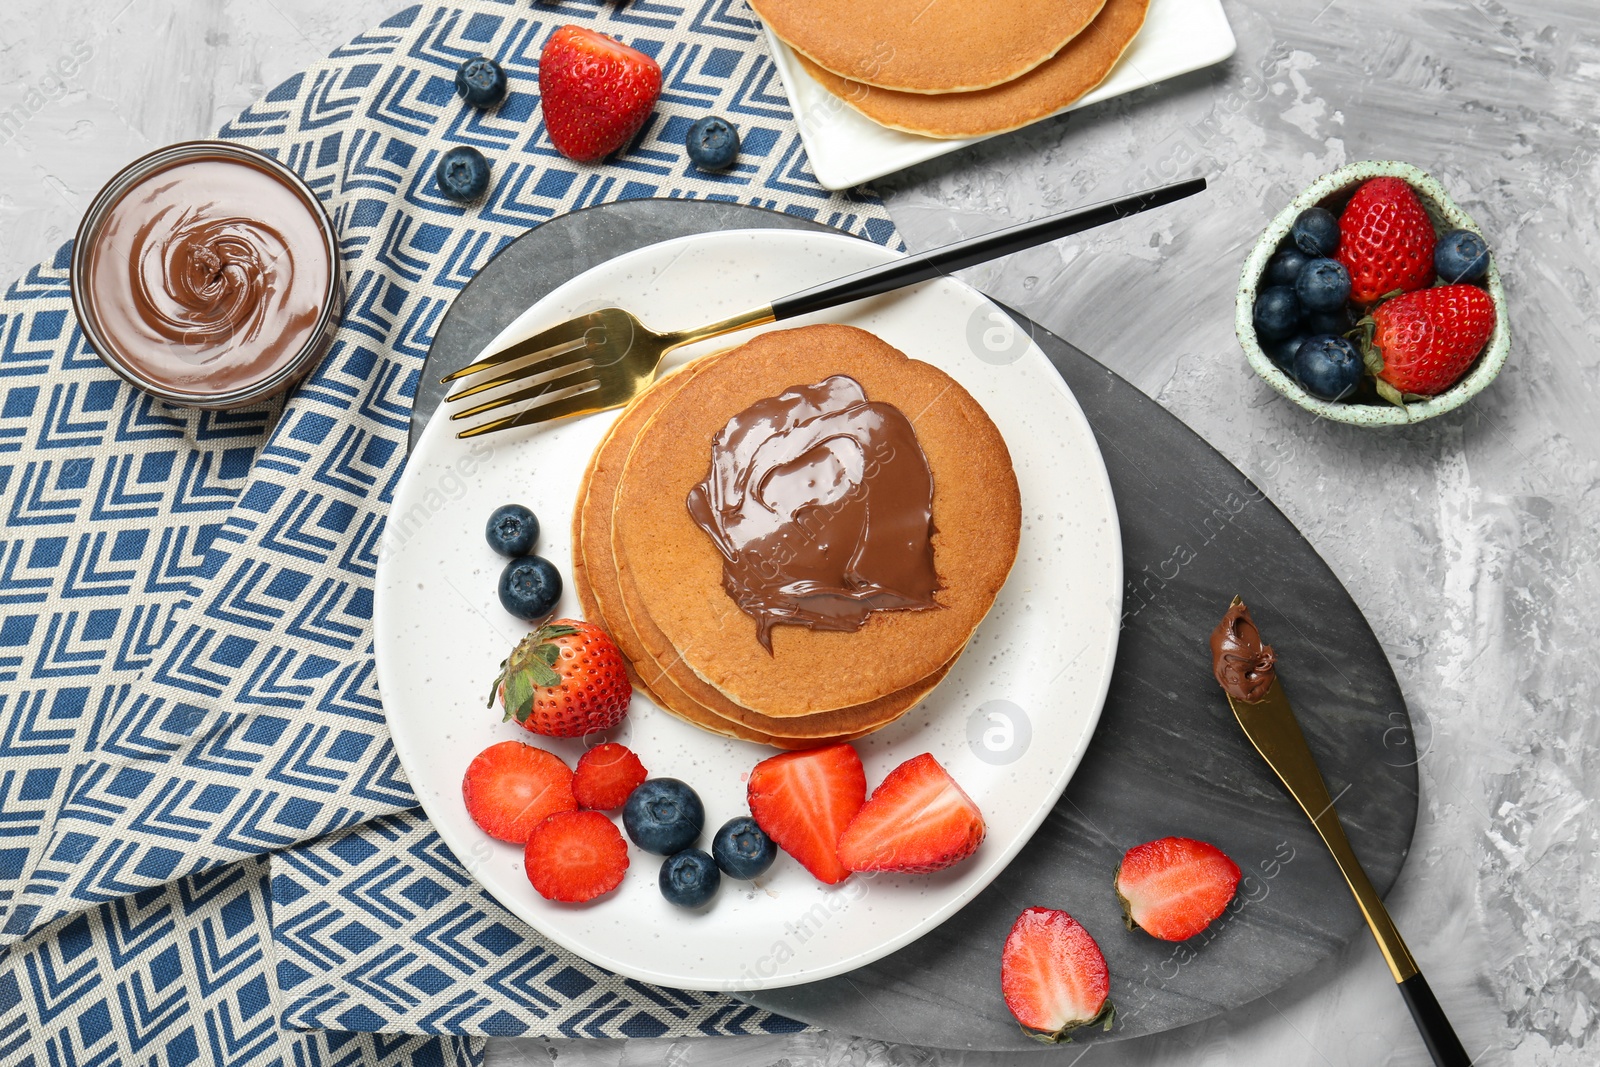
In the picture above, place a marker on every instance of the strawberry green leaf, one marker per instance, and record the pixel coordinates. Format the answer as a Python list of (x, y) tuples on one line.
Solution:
[(519, 696), (548, 653), (1390, 393), (1108, 1015), (552, 630), (540, 673), (494, 690)]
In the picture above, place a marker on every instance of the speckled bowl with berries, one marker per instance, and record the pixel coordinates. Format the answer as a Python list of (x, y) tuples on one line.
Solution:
[(1332, 191)]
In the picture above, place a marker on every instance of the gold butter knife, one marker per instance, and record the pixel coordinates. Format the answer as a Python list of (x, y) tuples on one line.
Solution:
[(1269, 722)]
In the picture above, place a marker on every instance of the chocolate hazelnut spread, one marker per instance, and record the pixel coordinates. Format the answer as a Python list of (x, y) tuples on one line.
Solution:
[(821, 503), (209, 275), (1242, 664)]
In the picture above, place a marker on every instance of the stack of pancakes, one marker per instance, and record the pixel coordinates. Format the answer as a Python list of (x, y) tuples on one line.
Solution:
[(653, 579), (956, 68)]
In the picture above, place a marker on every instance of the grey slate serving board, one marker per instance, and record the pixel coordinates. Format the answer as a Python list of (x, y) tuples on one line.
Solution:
[(1167, 757)]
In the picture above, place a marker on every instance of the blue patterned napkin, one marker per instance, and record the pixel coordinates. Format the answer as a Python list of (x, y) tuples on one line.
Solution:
[(186, 678), (380, 928)]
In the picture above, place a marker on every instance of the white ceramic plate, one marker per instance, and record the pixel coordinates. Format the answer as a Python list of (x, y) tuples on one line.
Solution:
[(846, 148), (1025, 696)]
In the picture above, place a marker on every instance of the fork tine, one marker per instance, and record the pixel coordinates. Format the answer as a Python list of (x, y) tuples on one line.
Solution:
[(566, 355), (559, 334), (576, 404), (533, 392)]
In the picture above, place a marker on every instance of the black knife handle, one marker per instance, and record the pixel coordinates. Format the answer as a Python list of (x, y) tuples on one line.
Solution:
[(943, 260), (1437, 1034)]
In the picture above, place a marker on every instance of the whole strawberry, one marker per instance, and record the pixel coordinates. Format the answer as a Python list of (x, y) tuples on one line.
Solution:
[(1385, 240), (1426, 340), (566, 679), (596, 92)]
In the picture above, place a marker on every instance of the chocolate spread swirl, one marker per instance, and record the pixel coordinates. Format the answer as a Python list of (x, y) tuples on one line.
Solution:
[(821, 503), (210, 274), (1243, 666), (203, 282)]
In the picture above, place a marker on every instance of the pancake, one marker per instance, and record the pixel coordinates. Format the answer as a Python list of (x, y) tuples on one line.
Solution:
[(596, 582), (1055, 84), (928, 46), (659, 689), (676, 572)]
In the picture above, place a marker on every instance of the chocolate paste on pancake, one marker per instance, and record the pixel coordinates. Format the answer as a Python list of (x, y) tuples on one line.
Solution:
[(1242, 664), (821, 504), (210, 274)]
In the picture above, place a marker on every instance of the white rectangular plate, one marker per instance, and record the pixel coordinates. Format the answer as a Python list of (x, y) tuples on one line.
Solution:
[(846, 148)]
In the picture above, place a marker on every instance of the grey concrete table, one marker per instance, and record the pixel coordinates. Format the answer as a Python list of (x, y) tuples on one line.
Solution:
[(1469, 542)]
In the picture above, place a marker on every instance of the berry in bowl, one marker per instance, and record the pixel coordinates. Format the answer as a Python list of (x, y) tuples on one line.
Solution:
[(1373, 299)]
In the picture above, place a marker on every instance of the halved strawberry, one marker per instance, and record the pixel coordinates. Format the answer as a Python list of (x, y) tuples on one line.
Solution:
[(918, 820), (605, 776), (1053, 975), (511, 787), (575, 856), (1174, 887), (804, 800)]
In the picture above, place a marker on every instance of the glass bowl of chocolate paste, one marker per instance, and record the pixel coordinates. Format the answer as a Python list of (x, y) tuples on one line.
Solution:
[(207, 275)]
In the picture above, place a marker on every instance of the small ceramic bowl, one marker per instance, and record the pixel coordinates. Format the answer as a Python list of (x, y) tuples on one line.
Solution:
[(1333, 191)]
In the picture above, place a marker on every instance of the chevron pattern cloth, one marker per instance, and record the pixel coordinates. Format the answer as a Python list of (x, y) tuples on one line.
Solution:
[(379, 928), (186, 674), (177, 975)]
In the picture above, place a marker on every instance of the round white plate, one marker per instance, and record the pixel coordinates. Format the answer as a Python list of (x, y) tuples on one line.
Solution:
[(1010, 722)]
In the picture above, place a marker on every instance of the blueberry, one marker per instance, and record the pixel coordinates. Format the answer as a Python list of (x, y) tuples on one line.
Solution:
[(481, 81), (1282, 352), (1461, 256), (1335, 321), (713, 143), (1328, 367), (463, 173), (512, 530), (743, 849), (1323, 285), (1284, 267), (689, 878), (1277, 313), (1316, 232), (530, 587), (664, 816)]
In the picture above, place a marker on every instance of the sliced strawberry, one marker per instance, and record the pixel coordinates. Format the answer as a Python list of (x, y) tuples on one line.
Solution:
[(1053, 975), (918, 820), (605, 776), (1174, 887), (575, 856), (511, 787), (804, 800)]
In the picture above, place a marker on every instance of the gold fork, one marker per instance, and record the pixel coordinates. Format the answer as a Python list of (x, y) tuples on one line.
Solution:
[(606, 358)]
